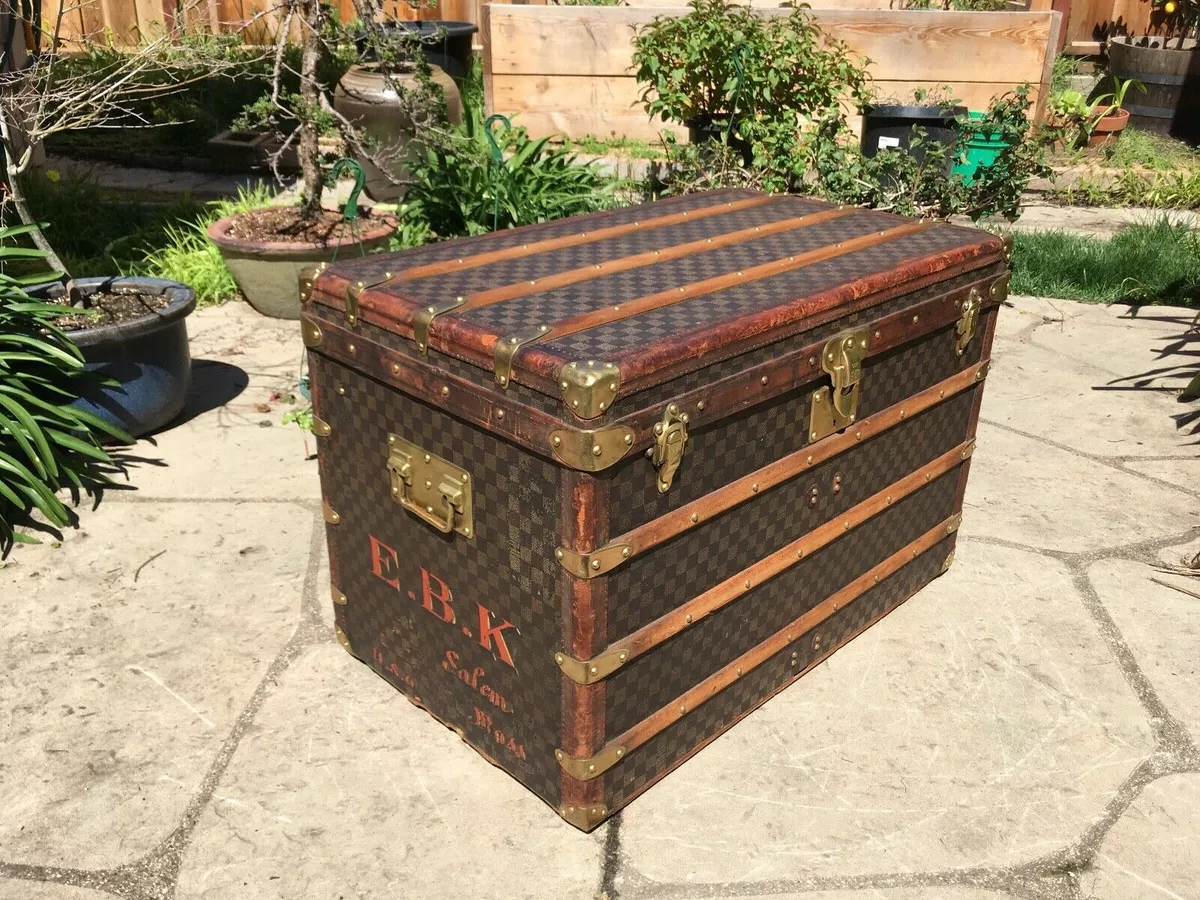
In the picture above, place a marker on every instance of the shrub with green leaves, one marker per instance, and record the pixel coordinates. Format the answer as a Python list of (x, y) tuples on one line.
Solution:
[(46, 443), (463, 187)]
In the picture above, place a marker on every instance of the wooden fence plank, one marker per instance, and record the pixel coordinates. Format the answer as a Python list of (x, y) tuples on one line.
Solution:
[(121, 22), (92, 20), (930, 46)]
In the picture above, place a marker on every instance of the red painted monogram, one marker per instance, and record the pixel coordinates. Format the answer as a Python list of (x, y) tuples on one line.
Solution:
[(438, 599)]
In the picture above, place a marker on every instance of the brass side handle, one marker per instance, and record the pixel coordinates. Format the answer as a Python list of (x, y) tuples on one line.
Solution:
[(431, 488)]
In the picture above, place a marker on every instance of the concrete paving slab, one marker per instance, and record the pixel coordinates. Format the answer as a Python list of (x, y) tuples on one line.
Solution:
[(1154, 851), (241, 360), (956, 892), (131, 650), (344, 789), (1091, 408), (982, 723), (26, 890), (1029, 492), (1161, 627)]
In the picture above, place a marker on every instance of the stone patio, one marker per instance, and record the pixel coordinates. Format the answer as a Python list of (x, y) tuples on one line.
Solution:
[(176, 720)]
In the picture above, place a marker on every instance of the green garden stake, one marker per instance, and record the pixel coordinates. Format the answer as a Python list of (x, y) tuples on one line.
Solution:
[(350, 210), (738, 51), (497, 159)]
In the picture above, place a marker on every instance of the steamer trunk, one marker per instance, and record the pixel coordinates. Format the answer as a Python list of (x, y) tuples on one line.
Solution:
[(596, 489)]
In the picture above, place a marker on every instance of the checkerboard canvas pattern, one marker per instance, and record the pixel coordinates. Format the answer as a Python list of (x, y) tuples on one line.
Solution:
[(666, 750), (507, 569)]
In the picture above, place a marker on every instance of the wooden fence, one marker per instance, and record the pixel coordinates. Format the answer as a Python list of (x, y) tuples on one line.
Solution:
[(567, 69)]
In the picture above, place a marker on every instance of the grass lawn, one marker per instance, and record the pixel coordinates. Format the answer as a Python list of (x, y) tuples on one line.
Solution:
[(1152, 263)]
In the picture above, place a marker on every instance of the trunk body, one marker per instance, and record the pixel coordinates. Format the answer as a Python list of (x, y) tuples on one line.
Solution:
[(310, 92), (805, 381)]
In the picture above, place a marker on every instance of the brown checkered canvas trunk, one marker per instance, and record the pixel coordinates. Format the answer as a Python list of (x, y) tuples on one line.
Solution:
[(598, 488)]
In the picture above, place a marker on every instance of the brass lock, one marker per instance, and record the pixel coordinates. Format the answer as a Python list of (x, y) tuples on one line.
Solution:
[(968, 321), (836, 407), (434, 490), (670, 437)]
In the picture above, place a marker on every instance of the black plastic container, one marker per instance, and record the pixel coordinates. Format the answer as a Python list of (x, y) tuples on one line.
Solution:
[(703, 129), (886, 127), (445, 44)]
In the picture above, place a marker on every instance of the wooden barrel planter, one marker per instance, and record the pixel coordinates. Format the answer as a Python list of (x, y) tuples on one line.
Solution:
[(1171, 104)]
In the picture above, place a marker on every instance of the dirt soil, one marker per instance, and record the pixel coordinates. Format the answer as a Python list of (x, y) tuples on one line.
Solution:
[(283, 223), (111, 308)]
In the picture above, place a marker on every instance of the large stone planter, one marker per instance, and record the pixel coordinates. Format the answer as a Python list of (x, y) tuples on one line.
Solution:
[(267, 272), (1171, 74), (147, 358)]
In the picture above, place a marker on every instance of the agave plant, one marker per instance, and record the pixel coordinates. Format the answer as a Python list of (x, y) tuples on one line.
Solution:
[(46, 443)]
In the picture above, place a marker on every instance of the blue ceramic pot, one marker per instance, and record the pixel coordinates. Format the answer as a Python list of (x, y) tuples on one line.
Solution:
[(148, 357)]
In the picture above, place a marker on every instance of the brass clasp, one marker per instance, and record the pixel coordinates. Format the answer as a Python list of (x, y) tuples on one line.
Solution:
[(670, 438), (836, 407), (431, 488), (968, 321)]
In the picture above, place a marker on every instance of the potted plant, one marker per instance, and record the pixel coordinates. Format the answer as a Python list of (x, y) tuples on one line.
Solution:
[(266, 248), (130, 330), (1109, 114), (48, 441), (730, 74), (1168, 64), (890, 124)]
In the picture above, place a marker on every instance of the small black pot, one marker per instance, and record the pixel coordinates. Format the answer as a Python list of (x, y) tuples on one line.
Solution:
[(703, 128), (445, 44), (886, 127), (147, 357)]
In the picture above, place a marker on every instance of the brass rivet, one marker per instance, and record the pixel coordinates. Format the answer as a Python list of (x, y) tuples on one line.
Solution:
[(889, 501), (846, 524), (350, 348), (858, 435), (504, 381), (916, 319), (700, 405), (739, 672), (395, 368), (812, 360), (341, 390), (876, 579), (625, 553), (628, 440), (499, 414), (623, 657), (914, 555), (878, 335), (597, 450), (595, 564), (428, 457), (695, 518), (949, 529), (941, 394), (902, 414), (558, 554), (763, 380), (445, 391), (754, 487), (682, 710), (928, 476), (814, 435), (810, 459), (799, 553), (556, 441), (558, 657), (688, 619), (747, 582), (594, 670)]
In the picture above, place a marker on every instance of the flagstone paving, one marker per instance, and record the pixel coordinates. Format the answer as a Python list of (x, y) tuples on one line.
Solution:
[(176, 720)]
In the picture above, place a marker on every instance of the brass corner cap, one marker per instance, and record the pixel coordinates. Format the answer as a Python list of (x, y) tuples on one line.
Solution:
[(585, 818), (949, 561), (309, 332), (329, 513), (343, 640), (592, 766), (953, 523), (320, 427), (998, 291), (308, 279), (338, 597), (598, 562), (589, 671), (591, 451), (589, 388)]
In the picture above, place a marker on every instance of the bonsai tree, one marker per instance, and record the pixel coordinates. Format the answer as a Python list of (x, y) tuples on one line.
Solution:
[(44, 92)]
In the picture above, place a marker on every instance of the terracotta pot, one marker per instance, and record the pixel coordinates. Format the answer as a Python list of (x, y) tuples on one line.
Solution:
[(267, 272), (1108, 127), (371, 101)]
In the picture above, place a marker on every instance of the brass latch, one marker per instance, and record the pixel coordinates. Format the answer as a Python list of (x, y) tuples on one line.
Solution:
[(836, 407), (670, 438), (434, 490), (967, 321), (354, 291)]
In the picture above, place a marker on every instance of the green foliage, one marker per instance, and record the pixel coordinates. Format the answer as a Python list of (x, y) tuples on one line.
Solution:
[(460, 185), (755, 77), (895, 180), (1065, 68), (966, 5), (1180, 18), (46, 444), (1153, 263), (1155, 190), (98, 232), (1147, 150), (616, 145), (188, 256)]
